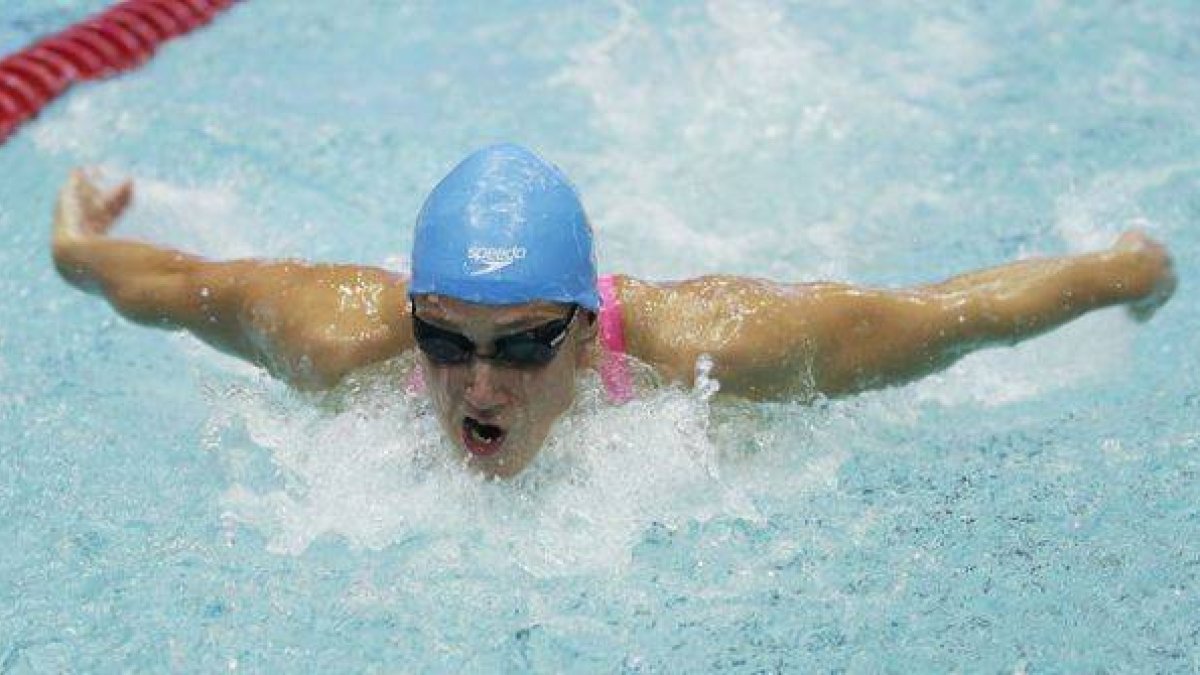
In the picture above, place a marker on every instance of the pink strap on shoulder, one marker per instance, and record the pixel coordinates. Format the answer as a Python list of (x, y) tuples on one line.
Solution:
[(614, 369)]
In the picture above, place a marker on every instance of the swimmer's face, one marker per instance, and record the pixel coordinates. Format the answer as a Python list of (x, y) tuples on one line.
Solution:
[(499, 415)]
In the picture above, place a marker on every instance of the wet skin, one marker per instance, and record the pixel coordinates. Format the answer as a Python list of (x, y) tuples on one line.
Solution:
[(312, 325), (499, 415)]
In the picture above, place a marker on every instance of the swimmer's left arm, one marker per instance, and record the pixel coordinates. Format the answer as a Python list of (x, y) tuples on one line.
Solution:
[(771, 340), (874, 338)]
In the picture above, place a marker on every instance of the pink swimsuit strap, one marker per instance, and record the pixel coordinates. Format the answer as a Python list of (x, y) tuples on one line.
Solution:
[(614, 369)]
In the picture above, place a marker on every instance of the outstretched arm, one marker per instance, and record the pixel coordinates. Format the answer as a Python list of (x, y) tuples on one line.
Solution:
[(772, 340), (307, 324)]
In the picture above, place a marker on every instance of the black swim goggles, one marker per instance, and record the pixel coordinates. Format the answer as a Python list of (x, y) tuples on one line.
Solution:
[(528, 348)]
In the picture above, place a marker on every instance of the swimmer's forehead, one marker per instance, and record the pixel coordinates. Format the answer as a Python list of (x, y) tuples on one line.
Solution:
[(452, 311)]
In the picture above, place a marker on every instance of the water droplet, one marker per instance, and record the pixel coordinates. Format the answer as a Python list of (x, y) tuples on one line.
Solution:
[(706, 386)]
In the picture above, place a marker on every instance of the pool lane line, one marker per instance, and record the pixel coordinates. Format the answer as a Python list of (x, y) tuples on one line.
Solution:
[(111, 42)]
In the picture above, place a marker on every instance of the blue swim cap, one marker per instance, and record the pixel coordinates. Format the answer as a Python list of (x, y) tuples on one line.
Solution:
[(505, 227)]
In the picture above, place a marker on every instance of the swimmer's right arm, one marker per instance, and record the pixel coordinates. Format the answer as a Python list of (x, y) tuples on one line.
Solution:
[(307, 324)]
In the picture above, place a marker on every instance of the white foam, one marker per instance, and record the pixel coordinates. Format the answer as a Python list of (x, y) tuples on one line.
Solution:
[(207, 220), (691, 119), (378, 473), (1053, 361)]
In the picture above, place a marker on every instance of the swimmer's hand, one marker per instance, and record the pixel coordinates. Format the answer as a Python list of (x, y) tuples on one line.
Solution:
[(1152, 272), (84, 211)]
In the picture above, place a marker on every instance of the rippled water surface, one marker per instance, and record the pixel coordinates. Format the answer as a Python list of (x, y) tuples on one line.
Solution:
[(1034, 509)]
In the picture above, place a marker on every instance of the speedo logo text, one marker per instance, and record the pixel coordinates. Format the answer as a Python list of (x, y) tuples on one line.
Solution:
[(487, 259)]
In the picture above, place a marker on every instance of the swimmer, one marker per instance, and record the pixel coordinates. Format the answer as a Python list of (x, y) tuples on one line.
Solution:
[(505, 309)]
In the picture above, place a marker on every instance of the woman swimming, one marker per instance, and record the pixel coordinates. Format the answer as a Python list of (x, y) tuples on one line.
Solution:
[(505, 308)]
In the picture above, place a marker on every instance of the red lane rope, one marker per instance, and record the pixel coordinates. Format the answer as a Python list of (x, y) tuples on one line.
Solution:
[(116, 40)]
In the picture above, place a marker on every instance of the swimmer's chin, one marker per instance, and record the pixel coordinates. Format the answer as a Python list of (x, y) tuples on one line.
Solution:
[(507, 462), (497, 468)]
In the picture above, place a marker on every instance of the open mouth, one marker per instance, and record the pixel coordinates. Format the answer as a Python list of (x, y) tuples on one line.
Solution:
[(481, 439)]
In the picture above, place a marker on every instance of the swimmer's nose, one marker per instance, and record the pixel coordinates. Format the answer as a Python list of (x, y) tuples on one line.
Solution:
[(485, 392)]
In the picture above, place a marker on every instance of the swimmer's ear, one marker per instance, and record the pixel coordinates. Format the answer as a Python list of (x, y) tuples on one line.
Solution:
[(587, 330), (585, 341), (589, 327)]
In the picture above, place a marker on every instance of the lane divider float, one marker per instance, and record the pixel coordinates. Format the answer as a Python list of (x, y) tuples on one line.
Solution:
[(111, 42)]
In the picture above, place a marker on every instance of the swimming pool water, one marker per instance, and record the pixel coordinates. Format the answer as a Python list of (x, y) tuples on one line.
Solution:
[(1034, 509)]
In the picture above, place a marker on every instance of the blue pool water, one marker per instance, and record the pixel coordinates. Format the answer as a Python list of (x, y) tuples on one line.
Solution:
[(165, 508)]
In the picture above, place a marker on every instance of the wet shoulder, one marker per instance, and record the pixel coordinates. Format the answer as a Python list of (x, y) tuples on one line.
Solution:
[(313, 324)]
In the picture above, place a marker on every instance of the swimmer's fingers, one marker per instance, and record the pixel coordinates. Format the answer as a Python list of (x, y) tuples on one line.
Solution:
[(114, 203), (101, 209), (1142, 310), (1152, 257), (84, 210), (68, 211), (1136, 239)]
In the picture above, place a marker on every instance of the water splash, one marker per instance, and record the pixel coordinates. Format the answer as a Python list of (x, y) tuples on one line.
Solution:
[(372, 468)]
